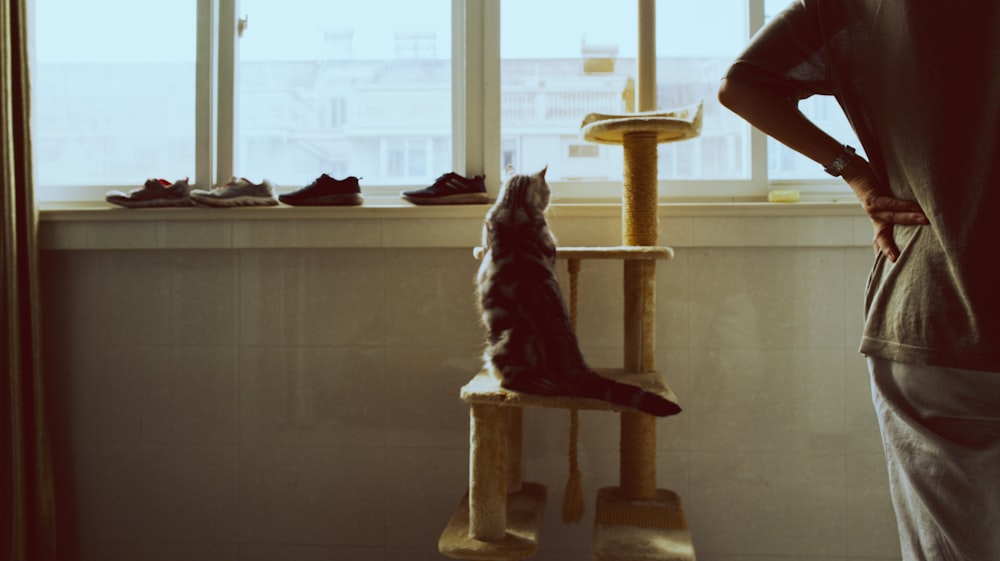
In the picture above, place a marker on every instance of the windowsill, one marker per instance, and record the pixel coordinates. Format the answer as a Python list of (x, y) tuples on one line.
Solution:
[(390, 222)]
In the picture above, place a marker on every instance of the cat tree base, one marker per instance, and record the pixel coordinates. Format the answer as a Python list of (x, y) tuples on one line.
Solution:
[(500, 518), (524, 521), (652, 529)]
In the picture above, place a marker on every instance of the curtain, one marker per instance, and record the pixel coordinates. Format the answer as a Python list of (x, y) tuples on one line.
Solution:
[(26, 474)]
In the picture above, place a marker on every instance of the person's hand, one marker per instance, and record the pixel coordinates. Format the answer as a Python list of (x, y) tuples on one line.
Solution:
[(886, 211), (883, 209)]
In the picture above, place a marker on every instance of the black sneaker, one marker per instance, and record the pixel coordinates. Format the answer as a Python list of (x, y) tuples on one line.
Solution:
[(451, 189), (325, 191)]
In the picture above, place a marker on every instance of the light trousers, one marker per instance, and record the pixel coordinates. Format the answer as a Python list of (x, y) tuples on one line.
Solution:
[(941, 434)]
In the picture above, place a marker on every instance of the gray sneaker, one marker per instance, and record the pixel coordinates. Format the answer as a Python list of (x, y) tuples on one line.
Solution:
[(154, 193), (238, 192)]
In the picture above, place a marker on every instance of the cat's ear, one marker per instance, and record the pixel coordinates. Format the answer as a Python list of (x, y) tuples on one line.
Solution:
[(542, 173)]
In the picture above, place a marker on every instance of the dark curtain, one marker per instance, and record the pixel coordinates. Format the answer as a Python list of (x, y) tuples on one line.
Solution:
[(27, 505)]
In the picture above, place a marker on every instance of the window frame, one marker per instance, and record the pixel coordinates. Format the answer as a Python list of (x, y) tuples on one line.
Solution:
[(477, 143)]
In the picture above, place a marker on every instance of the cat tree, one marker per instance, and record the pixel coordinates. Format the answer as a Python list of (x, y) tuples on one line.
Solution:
[(500, 517)]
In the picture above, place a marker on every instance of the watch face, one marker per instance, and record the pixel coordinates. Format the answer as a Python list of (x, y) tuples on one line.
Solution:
[(838, 164)]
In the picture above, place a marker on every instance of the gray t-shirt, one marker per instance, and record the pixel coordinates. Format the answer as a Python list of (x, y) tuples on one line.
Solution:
[(919, 81)]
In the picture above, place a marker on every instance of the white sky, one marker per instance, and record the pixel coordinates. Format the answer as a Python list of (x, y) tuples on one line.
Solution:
[(148, 30)]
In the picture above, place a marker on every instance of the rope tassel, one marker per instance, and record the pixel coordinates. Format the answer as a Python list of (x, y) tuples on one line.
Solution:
[(573, 497)]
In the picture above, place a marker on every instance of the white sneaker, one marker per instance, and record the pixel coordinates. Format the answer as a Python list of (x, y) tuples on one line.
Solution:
[(238, 192), (154, 193)]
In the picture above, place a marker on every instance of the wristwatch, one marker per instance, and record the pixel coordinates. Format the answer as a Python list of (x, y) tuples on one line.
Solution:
[(839, 164)]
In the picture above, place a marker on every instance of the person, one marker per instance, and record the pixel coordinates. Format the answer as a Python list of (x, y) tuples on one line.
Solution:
[(919, 82)]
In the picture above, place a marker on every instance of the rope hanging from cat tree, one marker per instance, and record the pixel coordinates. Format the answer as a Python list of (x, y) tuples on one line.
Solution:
[(573, 496)]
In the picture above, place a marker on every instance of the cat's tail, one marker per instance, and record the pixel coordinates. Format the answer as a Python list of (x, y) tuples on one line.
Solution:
[(589, 384), (595, 386)]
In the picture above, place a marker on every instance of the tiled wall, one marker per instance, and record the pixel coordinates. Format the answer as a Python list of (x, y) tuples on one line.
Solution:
[(302, 404)]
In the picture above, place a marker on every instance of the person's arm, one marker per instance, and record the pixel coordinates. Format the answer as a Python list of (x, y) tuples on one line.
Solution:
[(781, 119)]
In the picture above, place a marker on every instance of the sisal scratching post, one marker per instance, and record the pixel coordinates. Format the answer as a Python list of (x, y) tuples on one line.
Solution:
[(640, 199), (515, 430), (487, 488), (636, 521), (501, 516), (637, 465), (638, 430), (640, 316), (639, 227)]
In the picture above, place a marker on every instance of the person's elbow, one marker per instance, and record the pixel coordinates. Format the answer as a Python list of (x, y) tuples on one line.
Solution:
[(748, 100), (729, 94)]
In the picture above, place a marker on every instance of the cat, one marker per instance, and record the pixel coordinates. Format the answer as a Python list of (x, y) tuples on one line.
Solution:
[(531, 346)]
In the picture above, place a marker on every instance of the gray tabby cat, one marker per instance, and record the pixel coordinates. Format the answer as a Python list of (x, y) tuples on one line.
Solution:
[(531, 346)]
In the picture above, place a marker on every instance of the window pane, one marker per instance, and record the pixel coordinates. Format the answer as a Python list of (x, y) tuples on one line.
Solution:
[(358, 89), (784, 163), (113, 90), (552, 76)]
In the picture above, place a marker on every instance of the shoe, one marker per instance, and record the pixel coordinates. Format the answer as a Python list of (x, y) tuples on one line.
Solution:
[(154, 193), (238, 192), (326, 191), (450, 189)]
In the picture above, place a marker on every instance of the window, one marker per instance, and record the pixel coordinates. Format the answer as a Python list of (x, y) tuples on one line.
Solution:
[(338, 112), (784, 164), (380, 89), (409, 160), (588, 63), (324, 84), (510, 154), (114, 91)]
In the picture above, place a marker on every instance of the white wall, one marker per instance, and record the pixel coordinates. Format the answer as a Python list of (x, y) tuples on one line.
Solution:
[(302, 403)]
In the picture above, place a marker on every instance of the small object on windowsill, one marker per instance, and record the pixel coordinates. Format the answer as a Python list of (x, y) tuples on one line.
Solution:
[(783, 196)]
